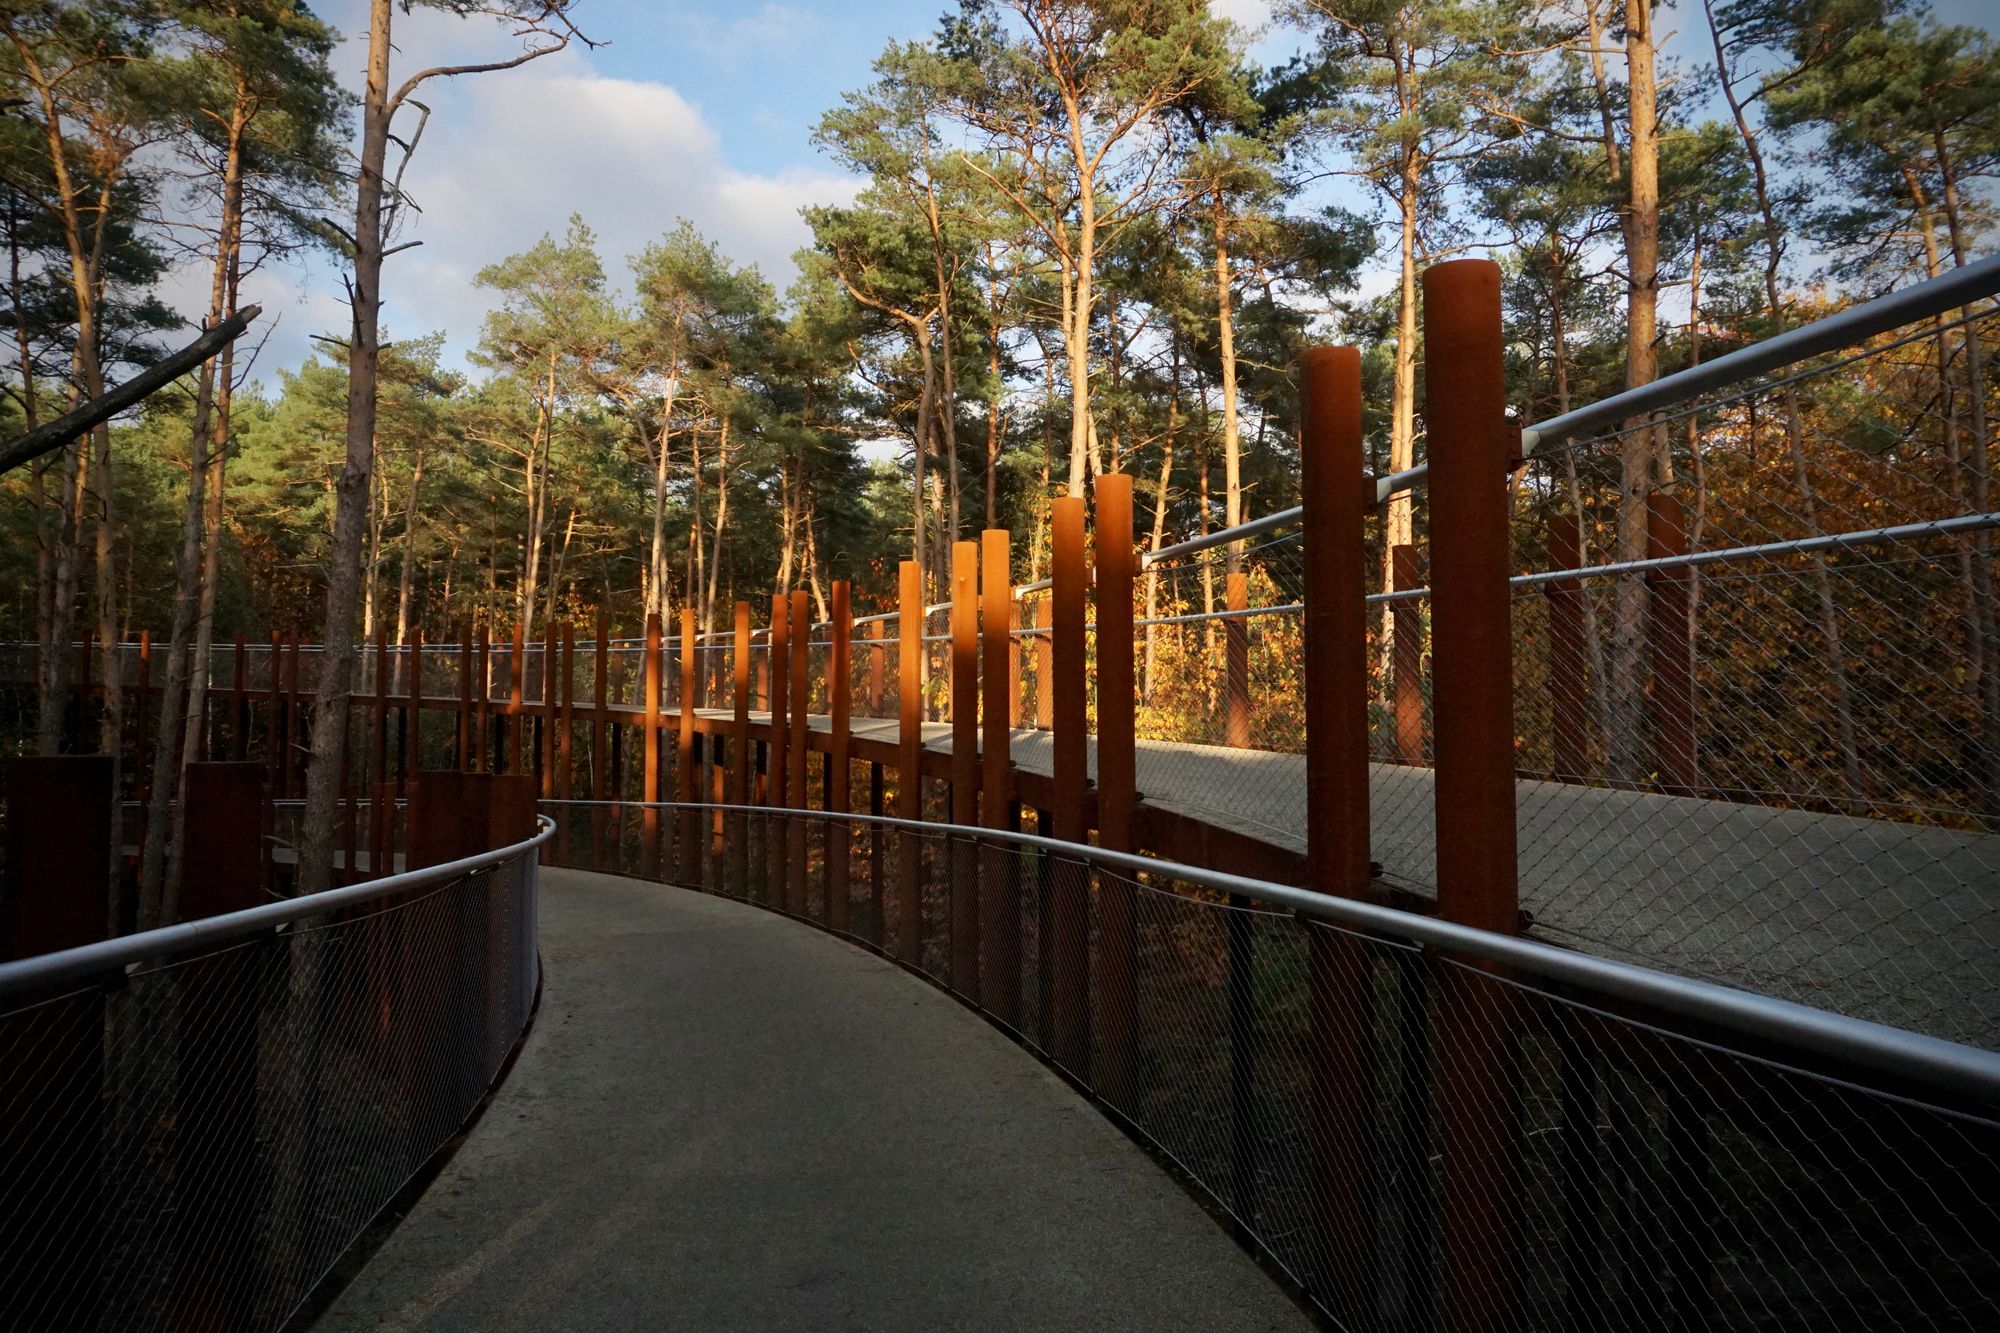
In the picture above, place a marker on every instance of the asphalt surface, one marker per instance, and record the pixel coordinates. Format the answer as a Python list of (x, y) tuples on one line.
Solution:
[(725, 1120)]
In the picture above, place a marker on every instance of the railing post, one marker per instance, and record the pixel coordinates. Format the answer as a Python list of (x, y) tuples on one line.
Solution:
[(1117, 786), (1236, 660), (1568, 682), (464, 719), (1044, 644), (1667, 597), (517, 717), (1337, 830), (840, 702), (239, 734), (1406, 657), (599, 715), (413, 754), (964, 766), (687, 836), (878, 651), (482, 702), (798, 768), (1000, 885), (567, 788), (649, 818), (380, 820), (777, 751), (1066, 900), (741, 756), (216, 1115), (1472, 700), (909, 758)]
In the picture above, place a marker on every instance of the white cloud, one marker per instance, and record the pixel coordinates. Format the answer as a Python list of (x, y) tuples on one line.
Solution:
[(509, 156)]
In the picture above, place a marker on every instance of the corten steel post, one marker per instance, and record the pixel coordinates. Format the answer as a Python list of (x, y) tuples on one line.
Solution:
[(999, 883), (1117, 786), (381, 813), (1044, 644), (649, 818), (909, 755), (878, 652), (1568, 682), (482, 706), (600, 694), (1236, 660), (1337, 847), (964, 766), (777, 754), (1472, 682), (214, 1217), (878, 884), (413, 734), (1067, 953), (840, 703), (797, 768), (517, 718), (142, 772), (294, 714), (1671, 700), (1016, 645), (1406, 657), (277, 736), (567, 785), (550, 713), (740, 756), (51, 1081), (687, 837), (464, 737), (239, 732)]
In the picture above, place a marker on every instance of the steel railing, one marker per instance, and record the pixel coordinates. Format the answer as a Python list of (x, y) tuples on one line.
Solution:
[(200, 1120), (1422, 1124)]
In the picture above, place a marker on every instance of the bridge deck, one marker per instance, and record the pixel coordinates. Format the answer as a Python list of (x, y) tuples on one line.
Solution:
[(725, 1120), (1890, 921)]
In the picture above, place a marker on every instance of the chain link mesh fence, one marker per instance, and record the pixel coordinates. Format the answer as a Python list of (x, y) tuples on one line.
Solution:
[(194, 1140)]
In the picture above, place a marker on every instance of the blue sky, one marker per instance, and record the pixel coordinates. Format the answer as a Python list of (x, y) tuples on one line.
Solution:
[(701, 109)]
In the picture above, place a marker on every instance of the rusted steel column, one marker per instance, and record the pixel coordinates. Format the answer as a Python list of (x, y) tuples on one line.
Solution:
[(909, 757), (1569, 689), (1337, 846), (51, 1081), (965, 766), (214, 1219), (1015, 648), (381, 815), (878, 883), (413, 734), (551, 710), (1472, 682), (878, 653), (1236, 661), (687, 835), (566, 783), (482, 702), (464, 716), (295, 716), (276, 736), (999, 880), (796, 767), (1067, 954), (741, 760), (600, 695), (239, 731), (1044, 645), (840, 699), (1117, 786), (649, 772), (142, 771), (1406, 658), (777, 752), (1671, 699), (517, 671)]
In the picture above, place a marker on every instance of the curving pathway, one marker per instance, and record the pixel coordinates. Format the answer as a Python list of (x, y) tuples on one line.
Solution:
[(725, 1120)]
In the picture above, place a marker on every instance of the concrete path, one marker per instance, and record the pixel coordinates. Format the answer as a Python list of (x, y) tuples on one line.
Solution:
[(725, 1120)]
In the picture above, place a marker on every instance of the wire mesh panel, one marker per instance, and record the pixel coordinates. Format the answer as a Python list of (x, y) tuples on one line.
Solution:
[(1422, 1140), (195, 1141)]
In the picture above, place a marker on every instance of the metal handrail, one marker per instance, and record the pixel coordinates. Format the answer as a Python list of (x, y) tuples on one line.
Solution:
[(1945, 1065), (87, 961)]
